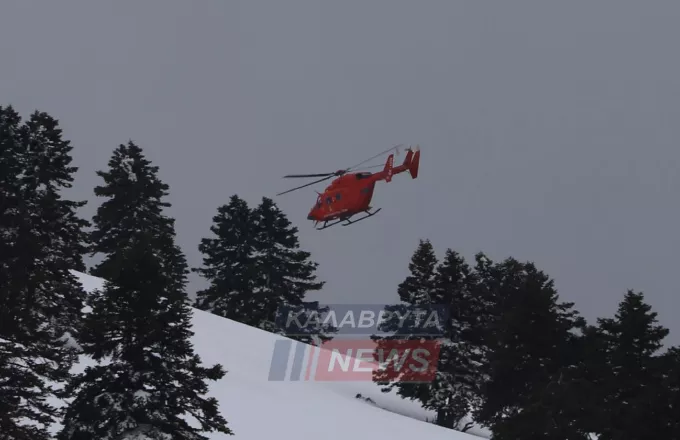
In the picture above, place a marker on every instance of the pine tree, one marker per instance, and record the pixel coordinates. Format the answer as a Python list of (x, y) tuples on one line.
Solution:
[(134, 204), (41, 242), (62, 236), (450, 284), (285, 274), (229, 264), (666, 389), (417, 290), (631, 387), (456, 388), (255, 267), (147, 377), (418, 287), (530, 343), (573, 398)]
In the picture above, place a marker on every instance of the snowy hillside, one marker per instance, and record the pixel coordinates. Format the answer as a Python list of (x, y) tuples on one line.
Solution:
[(259, 409)]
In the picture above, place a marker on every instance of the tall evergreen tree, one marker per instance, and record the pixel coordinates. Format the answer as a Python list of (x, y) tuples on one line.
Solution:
[(255, 266), (134, 204), (573, 398), (229, 263), (148, 377), (531, 339), (666, 389), (417, 290), (42, 241), (285, 274), (449, 284), (419, 286), (455, 390), (631, 387), (49, 170), (62, 237)]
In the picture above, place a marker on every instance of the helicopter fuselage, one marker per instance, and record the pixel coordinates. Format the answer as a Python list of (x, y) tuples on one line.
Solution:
[(351, 193), (345, 196)]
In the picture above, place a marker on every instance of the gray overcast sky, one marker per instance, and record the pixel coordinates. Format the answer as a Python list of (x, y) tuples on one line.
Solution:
[(549, 130)]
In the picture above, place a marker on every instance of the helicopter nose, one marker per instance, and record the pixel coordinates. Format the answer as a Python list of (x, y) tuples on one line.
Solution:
[(310, 217)]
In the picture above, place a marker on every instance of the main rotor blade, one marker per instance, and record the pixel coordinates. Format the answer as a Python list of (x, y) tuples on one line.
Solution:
[(341, 172), (306, 185), (374, 157), (308, 175), (337, 173)]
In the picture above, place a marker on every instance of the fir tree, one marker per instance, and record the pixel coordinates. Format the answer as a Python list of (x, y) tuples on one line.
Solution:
[(665, 406), (417, 290), (134, 205), (41, 242), (455, 389), (285, 274), (530, 339), (451, 285), (418, 287), (631, 387), (62, 237), (573, 398), (255, 267), (229, 264), (148, 377)]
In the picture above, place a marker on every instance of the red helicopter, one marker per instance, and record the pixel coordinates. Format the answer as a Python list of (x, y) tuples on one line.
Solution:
[(351, 194)]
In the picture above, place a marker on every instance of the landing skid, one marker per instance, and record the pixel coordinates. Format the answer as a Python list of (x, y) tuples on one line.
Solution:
[(348, 221)]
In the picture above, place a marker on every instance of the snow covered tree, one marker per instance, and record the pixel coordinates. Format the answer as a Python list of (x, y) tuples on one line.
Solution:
[(254, 266), (148, 383), (417, 290), (229, 264), (530, 340), (48, 170), (666, 405), (285, 274), (631, 387), (134, 205), (41, 242), (450, 285), (456, 387), (419, 286), (567, 407), (58, 231)]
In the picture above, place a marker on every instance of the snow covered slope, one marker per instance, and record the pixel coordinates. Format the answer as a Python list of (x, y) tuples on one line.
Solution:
[(259, 409)]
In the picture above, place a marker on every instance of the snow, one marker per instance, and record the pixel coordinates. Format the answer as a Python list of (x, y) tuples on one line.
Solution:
[(127, 166), (258, 409)]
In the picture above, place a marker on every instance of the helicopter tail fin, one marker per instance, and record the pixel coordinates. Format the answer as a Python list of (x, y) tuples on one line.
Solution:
[(411, 162), (414, 163)]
